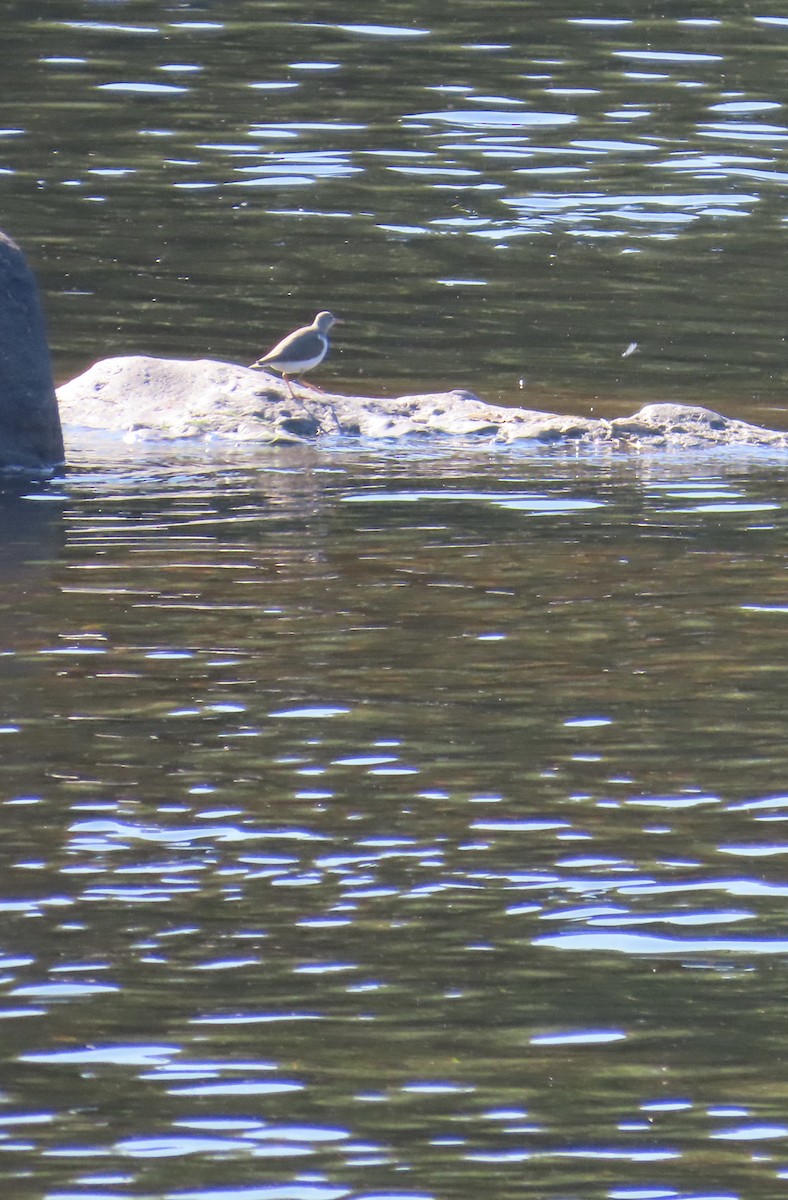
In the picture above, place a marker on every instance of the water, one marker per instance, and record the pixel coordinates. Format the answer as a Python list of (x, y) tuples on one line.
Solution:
[(399, 820), (486, 193), (394, 822)]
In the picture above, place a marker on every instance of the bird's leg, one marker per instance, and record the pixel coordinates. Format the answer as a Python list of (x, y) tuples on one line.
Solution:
[(289, 386)]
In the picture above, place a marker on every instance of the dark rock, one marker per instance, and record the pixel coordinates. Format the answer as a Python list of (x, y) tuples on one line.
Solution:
[(30, 434), (162, 398), (302, 427)]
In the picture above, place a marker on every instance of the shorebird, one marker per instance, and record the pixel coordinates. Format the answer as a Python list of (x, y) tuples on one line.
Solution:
[(300, 351)]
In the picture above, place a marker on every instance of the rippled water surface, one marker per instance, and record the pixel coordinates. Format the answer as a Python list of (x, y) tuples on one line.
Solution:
[(403, 821), (485, 192), (400, 822)]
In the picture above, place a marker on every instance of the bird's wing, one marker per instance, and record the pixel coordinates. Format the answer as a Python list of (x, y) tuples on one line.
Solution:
[(302, 344)]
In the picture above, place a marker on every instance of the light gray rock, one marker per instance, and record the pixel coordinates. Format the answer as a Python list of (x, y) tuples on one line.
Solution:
[(688, 425), (30, 434), (164, 398)]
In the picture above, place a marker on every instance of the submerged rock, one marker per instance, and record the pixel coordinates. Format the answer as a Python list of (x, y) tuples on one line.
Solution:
[(166, 398), (30, 433)]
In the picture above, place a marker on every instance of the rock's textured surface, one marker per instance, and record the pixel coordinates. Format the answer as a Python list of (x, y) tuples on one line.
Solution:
[(164, 398), (30, 434)]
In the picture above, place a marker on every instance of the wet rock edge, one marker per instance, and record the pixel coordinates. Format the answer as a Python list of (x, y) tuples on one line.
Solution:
[(145, 398)]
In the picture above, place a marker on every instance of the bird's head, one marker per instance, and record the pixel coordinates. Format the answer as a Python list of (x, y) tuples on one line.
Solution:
[(324, 320)]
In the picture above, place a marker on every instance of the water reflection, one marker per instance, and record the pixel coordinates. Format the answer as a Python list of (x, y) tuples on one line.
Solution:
[(607, 179), (379, 821)]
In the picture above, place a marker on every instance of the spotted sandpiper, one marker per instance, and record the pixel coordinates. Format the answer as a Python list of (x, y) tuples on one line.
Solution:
[(300, 350)]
